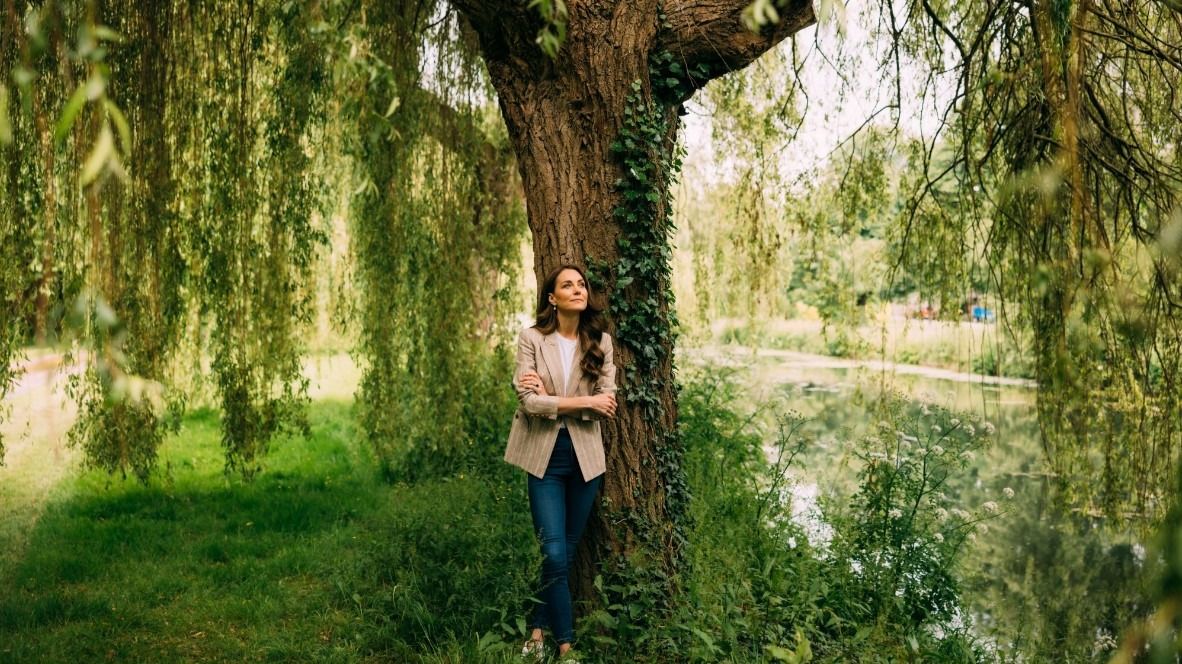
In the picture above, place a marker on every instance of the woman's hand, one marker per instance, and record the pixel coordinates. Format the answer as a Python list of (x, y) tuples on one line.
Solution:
[(530, 380), (603, 404)]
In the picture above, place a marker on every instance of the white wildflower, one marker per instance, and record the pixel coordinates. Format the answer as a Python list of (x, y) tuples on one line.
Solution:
[(967, 455), (792, 542), (982, 528), (936, 428), (968, 428), (954, 421), (989, 428), (941, 513), (959, 513), (895, 513), (937, 450), (1007, 492), (990, 507), (939, 537), (1104, 642)]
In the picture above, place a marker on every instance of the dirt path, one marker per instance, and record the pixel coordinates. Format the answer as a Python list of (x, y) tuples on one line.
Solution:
[(38, 415)]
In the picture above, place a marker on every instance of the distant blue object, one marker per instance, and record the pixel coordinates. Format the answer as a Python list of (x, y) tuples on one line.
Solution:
[(982, 314)]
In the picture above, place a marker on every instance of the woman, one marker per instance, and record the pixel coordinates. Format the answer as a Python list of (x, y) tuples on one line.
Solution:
[(565, 382)]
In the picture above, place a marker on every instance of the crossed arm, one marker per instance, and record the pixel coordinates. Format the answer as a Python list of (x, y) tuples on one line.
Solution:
[(537, 402)]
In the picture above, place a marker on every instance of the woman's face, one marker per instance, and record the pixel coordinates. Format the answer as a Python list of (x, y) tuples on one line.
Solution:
[(570, 292)]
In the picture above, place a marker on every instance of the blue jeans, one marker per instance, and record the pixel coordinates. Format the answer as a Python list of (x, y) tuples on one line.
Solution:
[(560, 503)]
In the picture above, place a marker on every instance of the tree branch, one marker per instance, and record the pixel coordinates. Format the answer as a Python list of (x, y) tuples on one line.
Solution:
[(505, 29), (712, 33)]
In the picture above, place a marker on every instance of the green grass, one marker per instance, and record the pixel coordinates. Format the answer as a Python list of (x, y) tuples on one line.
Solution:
[(316, 560)]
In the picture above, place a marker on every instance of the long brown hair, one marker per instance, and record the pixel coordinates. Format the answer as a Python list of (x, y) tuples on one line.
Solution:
[(590, 320)]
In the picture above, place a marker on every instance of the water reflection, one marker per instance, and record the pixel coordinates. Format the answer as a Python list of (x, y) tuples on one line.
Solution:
[(1042, 583)]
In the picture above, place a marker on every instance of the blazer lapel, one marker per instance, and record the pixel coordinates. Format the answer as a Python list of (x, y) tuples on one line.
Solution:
[(553, 360)]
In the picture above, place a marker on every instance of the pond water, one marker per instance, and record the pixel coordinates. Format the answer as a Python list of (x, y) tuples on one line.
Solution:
[(1041, 582)]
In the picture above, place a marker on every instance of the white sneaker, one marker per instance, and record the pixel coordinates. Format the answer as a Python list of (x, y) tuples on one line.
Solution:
[(535, 650)]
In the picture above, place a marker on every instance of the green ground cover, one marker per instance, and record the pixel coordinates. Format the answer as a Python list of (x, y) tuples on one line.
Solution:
[(321, 559), (198, 567)]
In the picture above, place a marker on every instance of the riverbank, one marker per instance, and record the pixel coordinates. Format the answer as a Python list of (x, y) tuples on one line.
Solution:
[(956, 346)]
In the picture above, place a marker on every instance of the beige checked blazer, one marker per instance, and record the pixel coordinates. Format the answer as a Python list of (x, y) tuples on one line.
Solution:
[(536, 422)]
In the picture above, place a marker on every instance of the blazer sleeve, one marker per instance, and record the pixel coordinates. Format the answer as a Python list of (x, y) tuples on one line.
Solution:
[(531, 402), (607, 381)]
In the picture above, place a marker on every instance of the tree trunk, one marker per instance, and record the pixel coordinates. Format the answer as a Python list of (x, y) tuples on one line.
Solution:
[(563, 116)]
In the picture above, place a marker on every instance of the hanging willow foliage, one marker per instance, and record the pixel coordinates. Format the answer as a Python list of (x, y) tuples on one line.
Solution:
[(738, 262), (202, 204), (1065, 134), (253, 225), (135, 261), (185, 162), (40, 152), (435, 225)]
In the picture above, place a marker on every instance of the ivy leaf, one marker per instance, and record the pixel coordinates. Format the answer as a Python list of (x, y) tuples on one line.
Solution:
[(758, 14)]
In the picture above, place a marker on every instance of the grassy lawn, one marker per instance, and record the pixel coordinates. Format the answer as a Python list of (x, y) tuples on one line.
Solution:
[(195, 566), (298, 565)]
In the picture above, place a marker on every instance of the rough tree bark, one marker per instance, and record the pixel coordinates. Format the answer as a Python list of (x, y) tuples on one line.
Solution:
[(562, 116)]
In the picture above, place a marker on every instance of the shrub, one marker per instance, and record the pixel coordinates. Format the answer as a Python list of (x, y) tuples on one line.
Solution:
[(893, 557)]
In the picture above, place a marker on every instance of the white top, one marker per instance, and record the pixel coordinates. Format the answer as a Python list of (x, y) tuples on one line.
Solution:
[(567, 348)]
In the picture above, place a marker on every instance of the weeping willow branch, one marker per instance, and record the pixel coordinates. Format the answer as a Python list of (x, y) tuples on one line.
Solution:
[(1064, 119)]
